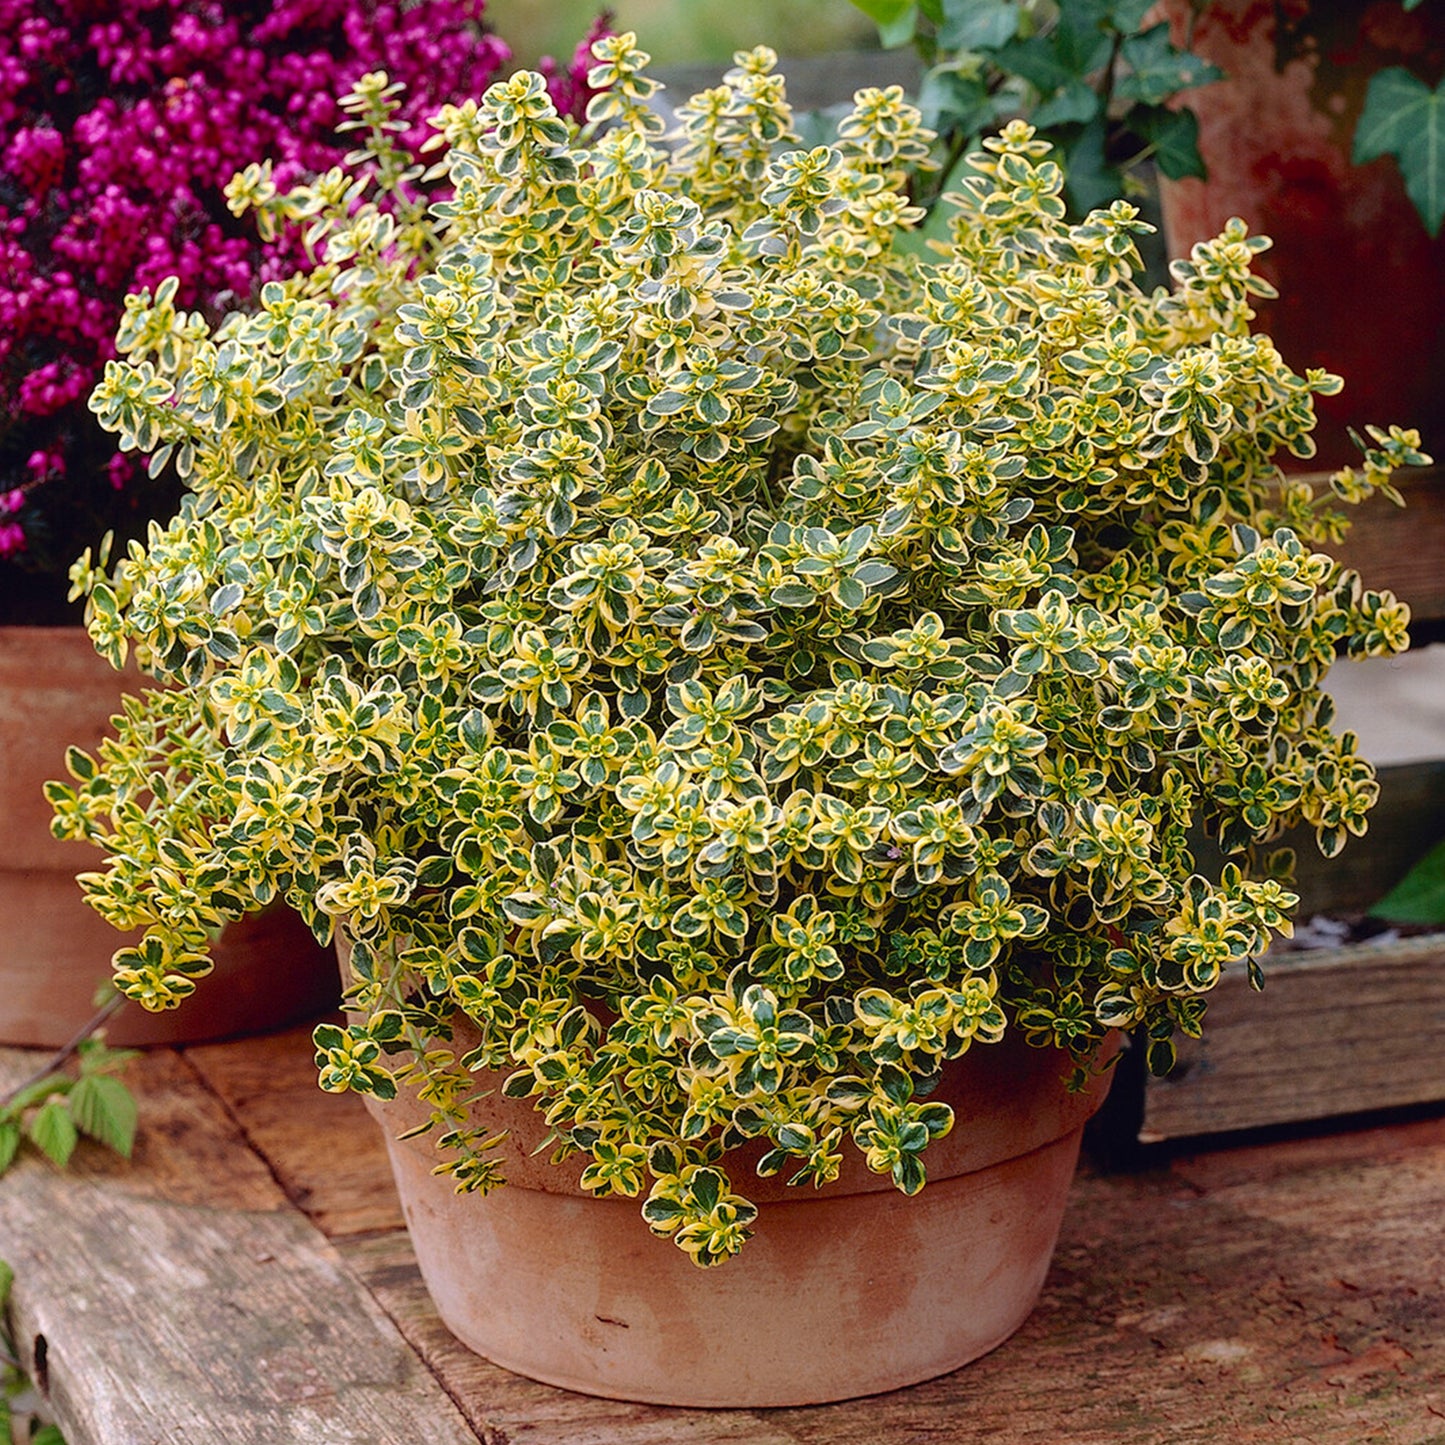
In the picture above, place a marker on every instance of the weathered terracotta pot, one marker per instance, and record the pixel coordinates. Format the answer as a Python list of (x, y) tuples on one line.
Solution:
[(844, 1291), (1362, 286), (270, 972)]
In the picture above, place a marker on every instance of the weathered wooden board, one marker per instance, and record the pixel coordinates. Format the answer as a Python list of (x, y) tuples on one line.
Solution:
[(505, 1409), (1406, 823), (269, 1087), (1286, 1295), (179, 1298), (1302, 1306), (1335, 1031), (1402, 550), (183, 1126), (1192, 1305)]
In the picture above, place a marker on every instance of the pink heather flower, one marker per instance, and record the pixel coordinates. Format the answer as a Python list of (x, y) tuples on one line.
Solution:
[(36, 157), (119, 470), (42, 466), (119, 125)]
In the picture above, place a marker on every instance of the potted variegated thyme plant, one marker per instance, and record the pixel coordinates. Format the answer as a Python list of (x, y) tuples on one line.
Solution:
[(120, 125), (747, 697)]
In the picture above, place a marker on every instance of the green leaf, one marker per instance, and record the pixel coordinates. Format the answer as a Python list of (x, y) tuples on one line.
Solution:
[(1076, 103), (706, 1187), (978, 24), (106, 1110), (1159, 1057), (53, 1131), (895, 1085), (897, 20), (1126, 16), (1404, 118), (47, 1435), (909, 1174), (951, 102), (33, 1093), (1419, 897), (1156, 70), (1174, 137), (1080, 38), (9, 1143), (1044, 63), (1092, 181), (662, 1212)]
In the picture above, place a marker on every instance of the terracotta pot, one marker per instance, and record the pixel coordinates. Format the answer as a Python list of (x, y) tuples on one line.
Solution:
[(844, 1291), (1362, 286), (270, 972)]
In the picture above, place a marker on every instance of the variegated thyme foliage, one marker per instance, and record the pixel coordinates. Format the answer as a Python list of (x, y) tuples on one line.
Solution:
[(738, 664)]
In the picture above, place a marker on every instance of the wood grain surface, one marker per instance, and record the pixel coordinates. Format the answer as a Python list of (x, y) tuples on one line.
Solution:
[(1290, 1294), (1400, 549), (269, 1090), (1335, 1031), (179, 1297)]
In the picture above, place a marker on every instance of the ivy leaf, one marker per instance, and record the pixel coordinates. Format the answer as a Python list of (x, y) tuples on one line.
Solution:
[(106, 1110), (1047, 62), (53, 1131), (1076, 48), (1419, 897), (1126, 16), (951, 101), (1404, 118), (897, 20), (1174, 137), (978, 24), (1076, 103), (1157, 70), (1092, 181)]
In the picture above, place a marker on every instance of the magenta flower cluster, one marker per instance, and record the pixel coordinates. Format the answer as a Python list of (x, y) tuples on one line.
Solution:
[(120, 122)]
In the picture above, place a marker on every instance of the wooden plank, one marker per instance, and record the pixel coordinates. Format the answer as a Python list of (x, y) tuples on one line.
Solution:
[(502, 1407), (1286, 1296), (1293, 1303), (1401, 549), (1406, 823), (269, 1086), (1178, 1312), (1306, 1308), (179, 1124), (181, 1299), (1336, 1031)]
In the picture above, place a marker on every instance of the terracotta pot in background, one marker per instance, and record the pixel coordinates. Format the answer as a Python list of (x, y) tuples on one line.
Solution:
[(844, 1291), (1362, 285), (270, 972)]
